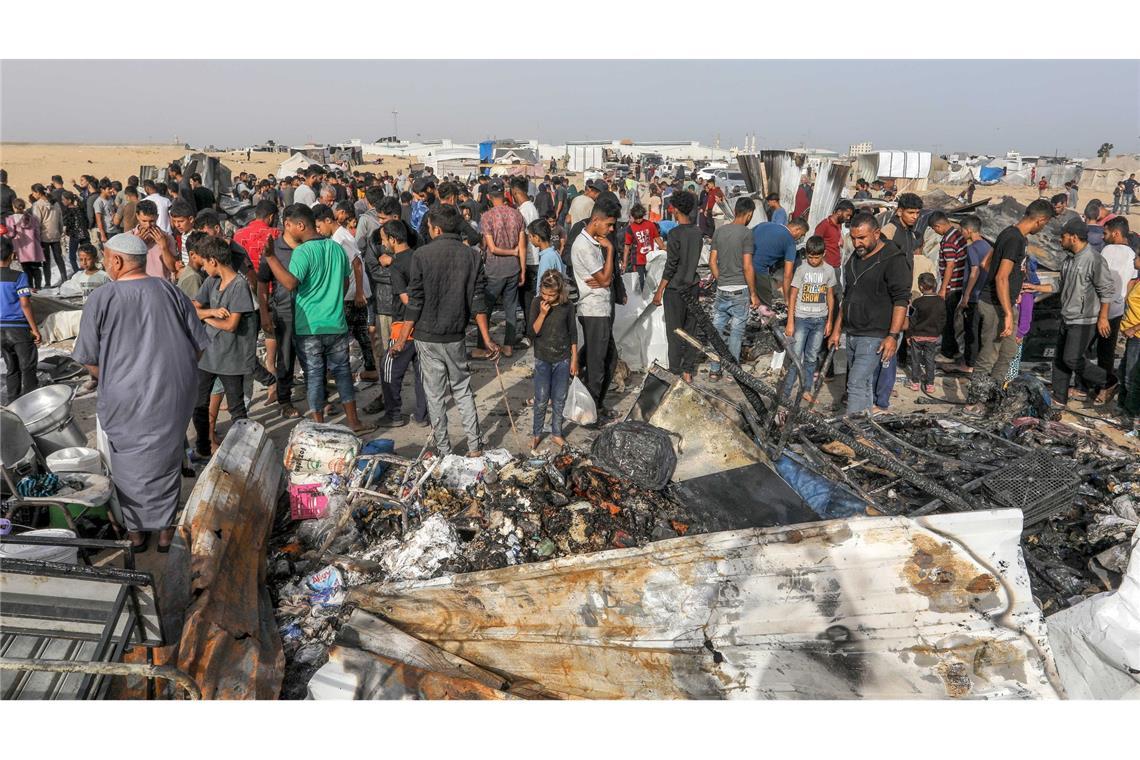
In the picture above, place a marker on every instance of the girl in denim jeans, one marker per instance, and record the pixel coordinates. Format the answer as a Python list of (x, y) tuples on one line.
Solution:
[(554, 334)]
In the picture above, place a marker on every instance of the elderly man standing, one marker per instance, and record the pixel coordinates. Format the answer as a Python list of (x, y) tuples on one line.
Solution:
[(141, 338)]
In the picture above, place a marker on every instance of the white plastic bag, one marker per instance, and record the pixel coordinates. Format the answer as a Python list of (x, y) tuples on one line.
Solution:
[(580, 406)]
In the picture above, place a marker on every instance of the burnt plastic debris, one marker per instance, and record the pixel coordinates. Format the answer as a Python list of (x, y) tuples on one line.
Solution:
[(638, 451)]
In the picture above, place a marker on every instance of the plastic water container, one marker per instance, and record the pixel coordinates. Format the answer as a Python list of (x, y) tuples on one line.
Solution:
[(76, 459), (66, 554)]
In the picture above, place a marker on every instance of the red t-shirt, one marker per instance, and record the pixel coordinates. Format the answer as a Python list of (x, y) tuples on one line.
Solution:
[(641, 235), (712, 195), (253, 238), (832, 237)]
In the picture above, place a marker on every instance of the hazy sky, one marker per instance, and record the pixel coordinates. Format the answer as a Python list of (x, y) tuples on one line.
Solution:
[(989, 106)]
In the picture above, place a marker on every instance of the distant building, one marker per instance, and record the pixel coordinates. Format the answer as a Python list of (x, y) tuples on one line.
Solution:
[(859, 149)]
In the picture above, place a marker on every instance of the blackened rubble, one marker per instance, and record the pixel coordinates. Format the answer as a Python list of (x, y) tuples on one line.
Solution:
[(1078, 489)]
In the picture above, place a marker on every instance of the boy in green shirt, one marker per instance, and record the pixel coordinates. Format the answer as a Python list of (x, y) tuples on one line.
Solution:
[(318, 273)]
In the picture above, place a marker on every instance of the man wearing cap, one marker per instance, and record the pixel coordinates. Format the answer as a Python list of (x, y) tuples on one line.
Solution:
[(141, 338), (1087, 292)]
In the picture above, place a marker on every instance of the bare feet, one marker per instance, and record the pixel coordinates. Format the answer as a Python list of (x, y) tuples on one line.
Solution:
[(535, 441), (475, 454), (558, 440)]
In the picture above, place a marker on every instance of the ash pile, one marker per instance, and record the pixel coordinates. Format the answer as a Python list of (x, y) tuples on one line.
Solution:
[(356, 515)]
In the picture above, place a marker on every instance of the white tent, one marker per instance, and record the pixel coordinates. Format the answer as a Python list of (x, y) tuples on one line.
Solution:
[(1103, 175), (291, 166), (909, 168)]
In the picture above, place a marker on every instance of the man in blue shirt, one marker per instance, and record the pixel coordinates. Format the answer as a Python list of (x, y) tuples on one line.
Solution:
[(776, 213), (771, 244), (19, 335)]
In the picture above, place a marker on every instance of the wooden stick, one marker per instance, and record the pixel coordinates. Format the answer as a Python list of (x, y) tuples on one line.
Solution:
[(511, 417)]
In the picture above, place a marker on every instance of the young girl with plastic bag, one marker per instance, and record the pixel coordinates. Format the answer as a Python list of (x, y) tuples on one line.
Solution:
[(554, 334)]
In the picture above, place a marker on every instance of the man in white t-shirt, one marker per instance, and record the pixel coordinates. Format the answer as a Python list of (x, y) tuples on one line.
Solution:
[(583, 203), (529, 213), (1121, 260), (307, 192), (592, 259), (161, 202)]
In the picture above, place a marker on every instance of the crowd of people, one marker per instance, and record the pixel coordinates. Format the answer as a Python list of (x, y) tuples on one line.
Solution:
[(403, 266)]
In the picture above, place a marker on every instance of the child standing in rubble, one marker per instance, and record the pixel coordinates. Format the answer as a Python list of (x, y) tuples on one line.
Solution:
[(924, 325), (554, 333)]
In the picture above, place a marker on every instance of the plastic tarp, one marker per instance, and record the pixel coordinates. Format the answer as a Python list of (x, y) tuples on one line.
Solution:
[(487, 151), (990, 173), (639, 327), (1096, 643)]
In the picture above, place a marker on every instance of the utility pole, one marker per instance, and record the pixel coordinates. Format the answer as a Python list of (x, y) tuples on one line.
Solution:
[(395, 124)]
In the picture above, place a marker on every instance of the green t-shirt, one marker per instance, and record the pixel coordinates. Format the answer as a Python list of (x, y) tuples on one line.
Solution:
[(321, 268)]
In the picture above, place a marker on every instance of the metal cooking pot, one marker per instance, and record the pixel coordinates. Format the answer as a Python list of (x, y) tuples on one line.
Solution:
[(44, 409)]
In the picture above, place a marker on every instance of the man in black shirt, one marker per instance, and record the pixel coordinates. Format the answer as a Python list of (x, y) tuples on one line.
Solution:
[(902, 227), (683, 253), (7, 195), (996, 320), (203, 196), (181, 185), (394, 238), (872, 313)]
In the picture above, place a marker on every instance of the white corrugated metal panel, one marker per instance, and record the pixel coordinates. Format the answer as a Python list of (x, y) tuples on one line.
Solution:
[(884, 607)]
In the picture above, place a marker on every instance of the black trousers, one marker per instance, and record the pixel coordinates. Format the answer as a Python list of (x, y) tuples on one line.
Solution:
[(950, 347), (286, 353), (392, 382), (600, 354), (528, 292), (53, 250), (1072, 343), (973, 334), (682, 356), (357, 318), (1106, 349), (232, 385), (20, 354), (35, 272)]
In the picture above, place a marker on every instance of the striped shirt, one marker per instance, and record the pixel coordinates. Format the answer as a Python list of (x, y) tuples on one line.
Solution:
[(952, 250)]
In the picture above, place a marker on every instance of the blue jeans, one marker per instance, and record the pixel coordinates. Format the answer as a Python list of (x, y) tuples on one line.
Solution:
[(806, 341), (320, 354), (863, 372), (551, 382), (885, 381), (730, 310)]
